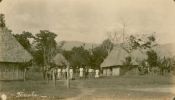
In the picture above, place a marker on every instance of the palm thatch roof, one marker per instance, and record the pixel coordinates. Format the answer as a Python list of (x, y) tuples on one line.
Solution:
[(60, 60), (139, 55), (11, 50), (116, 57), (163, 51)]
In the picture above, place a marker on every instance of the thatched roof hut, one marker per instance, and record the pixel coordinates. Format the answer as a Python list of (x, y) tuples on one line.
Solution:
[(139, 55), (60, 60), (11, 50), (113, 64), (116, 57), (118, 54), (12, 57)]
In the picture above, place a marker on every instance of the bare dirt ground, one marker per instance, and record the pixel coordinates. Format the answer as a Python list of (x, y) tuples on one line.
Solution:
[(106, 88), (163, 92)]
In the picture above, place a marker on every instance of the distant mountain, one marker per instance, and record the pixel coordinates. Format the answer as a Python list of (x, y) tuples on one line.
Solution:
[(68, 45), (169, 47)]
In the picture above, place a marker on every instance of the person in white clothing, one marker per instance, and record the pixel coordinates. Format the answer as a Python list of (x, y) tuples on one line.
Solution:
[(71, 73), (96, 73), (59, 73), (81, 72), (90, 73)]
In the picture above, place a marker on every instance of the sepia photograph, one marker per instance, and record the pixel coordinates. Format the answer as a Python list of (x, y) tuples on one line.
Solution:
[(87, 49)]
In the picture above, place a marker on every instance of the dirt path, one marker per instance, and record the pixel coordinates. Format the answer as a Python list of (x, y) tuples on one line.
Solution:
[(87, 93), (84, 92), (160, 89)]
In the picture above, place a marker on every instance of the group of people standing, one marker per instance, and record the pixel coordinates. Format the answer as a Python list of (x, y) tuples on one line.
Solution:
[(82, 73), (62, 73), (89, 73)]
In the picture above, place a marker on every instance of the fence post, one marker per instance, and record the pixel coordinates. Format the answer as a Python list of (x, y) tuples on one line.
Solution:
[(25, 74), (68, 81)]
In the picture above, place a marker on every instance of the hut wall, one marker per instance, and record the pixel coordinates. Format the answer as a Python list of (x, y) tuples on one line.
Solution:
[(107, 71), (104, 72), (115, 71), (11, 71)]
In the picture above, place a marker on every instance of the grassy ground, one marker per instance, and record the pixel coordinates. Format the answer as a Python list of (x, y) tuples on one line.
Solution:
[(106, 88)]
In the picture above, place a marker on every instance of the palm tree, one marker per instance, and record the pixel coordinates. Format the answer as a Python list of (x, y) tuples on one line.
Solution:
[(2, 20)]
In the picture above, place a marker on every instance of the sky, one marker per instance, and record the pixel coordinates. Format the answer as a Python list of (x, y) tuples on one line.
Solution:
[(91, 20)]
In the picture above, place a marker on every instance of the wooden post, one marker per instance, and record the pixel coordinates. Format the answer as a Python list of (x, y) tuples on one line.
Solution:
[(68, 81), (18, 73), (45, 65), (54, 77), (24, 74)]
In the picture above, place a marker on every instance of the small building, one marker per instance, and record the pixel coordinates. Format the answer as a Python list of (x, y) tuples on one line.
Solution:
[(60, 60), (113, 64), (13, 57)]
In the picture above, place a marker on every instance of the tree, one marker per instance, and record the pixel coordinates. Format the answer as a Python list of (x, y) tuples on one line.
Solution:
[(59, 47), (78, 56), (23, 39), (165, 65), (2, 20), (152, 58), (92, 58), (107, 45), (145, 41), (2, 23), (97, 56), (46, 45)]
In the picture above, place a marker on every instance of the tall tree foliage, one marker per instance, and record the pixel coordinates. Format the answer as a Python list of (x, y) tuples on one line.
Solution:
[(2, 20), (23, 39), (143, 42), (79, 56), (98, 54), (107, 45), (97, 57), (152, 58), (46, 46), (166, 65)]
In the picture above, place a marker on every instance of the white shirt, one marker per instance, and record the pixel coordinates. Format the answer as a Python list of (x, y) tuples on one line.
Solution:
[(71, 70), (64, 70), (81, 69), (59, 70), (97, 71), (90, 70)]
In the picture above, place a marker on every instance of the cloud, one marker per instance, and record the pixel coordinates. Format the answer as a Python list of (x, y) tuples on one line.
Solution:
[(89, 20)]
